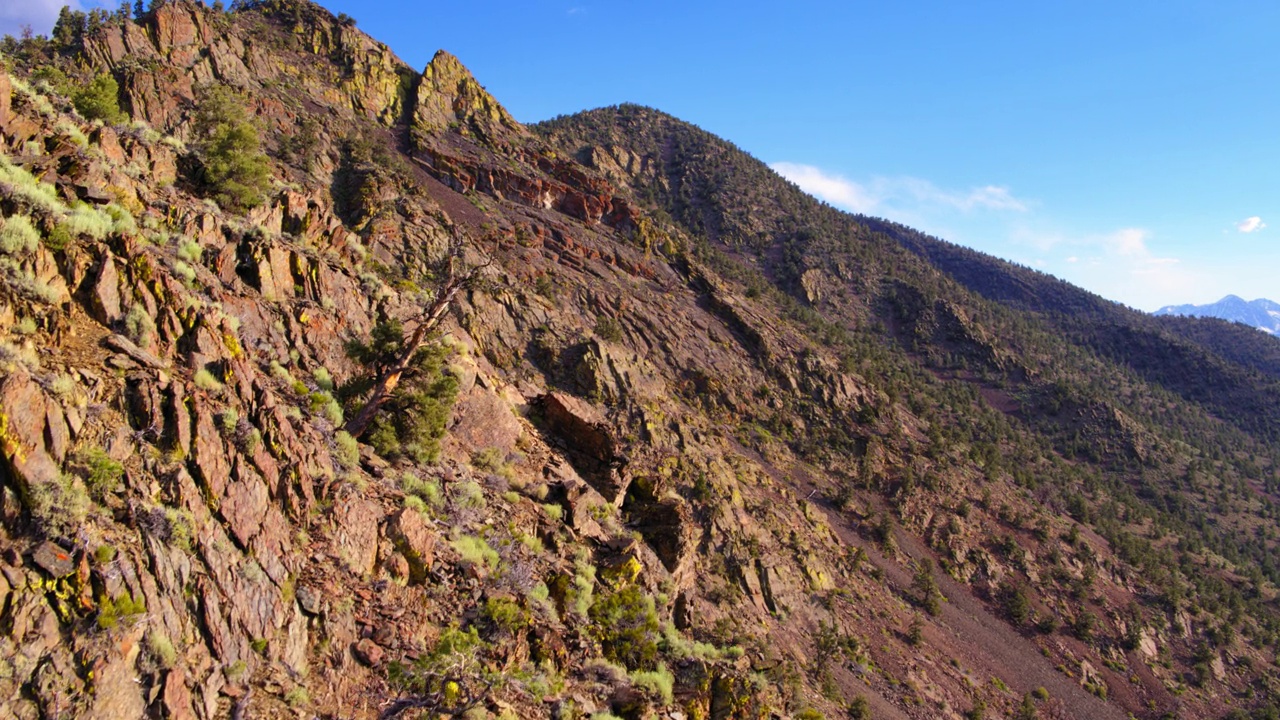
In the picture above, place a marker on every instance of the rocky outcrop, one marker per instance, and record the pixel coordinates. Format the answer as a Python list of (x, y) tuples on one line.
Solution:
[(589, 441), (450, 100)]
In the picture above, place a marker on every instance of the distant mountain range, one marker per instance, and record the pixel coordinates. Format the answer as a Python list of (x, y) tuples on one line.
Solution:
[(1261, 313)]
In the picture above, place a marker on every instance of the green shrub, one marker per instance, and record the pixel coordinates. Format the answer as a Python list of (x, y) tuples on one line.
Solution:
[(493, 460), (59, 506), (1017, 606), (122, 222), (451, 672), (139, 326), (102, 474), (679, 646), (505, 616), (184, 272), (584, 584), (205, 380), (626, 624), (99, 100), (297, 696), (428, 491), (229, 420), (178, 528), (476, 551), (323, 403), (323, 379), (467, 494), (18, 236), (660, 682), (415, 418), (348, 450), (915, 632), (123, 607), (18, 183), (161, 649), (608, 329), (235, 170), (52, 78), (59, 238), (190, 251)]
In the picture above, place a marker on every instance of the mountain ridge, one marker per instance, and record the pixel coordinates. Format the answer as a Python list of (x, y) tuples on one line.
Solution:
[(685, 443), (1261, 313)]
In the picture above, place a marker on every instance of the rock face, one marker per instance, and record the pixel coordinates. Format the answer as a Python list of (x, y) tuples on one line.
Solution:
[(689, 442), (593, 450), (450, 99)]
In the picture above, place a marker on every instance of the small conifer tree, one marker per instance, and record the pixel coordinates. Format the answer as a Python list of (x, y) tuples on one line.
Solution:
[(235, 170)]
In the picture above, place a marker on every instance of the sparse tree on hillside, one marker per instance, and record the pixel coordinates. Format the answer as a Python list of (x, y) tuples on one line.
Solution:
[(99, 100), (235, 170), (391, 355)]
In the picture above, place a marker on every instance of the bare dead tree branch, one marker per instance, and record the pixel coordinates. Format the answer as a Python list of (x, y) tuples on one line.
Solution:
[(430, 318)]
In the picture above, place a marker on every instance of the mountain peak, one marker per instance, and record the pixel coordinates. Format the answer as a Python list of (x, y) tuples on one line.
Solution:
[(1257, 313), (450, 98)]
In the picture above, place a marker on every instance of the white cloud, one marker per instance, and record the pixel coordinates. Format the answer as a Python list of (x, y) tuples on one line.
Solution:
[(825, 186), (1251, 224), (1127, 242), (1120, 265), (1125, 264), (896, 197), (39, 14)]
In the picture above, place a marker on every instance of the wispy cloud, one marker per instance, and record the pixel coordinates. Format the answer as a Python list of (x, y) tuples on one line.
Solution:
[(895, 195), (1120, 265), (834, 189), (1126, 264), (1250, 224), (576, 10)]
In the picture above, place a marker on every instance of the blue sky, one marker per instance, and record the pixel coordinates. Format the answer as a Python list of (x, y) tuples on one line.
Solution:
[(1130, 148)]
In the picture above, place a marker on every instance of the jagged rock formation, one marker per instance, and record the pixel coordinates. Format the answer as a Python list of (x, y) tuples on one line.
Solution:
[(765, 456)]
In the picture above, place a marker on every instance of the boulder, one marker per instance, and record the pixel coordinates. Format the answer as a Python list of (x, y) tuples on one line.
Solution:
[(592, 448), (55, 561), (414, 540)]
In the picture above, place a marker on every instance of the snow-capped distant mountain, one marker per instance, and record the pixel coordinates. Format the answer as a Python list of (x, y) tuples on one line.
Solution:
[(1261, 313)]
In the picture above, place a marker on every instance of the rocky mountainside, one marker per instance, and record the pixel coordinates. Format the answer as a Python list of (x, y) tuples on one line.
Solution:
[(650, 433), (1261, 313)]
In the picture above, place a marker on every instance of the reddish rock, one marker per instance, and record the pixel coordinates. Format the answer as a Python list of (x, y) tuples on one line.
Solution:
[(485, 420), (244, 507), (414, 540), (177, 698), (591, 445), (368, 652), (209, 451), (23, 405), (355, 533), (105, 293), (309, 600), (55, 561)]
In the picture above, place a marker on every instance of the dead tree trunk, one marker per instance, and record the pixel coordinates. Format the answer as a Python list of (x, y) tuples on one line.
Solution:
[(389, 377)]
